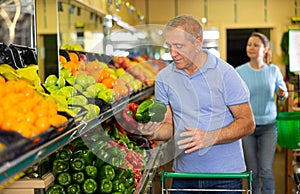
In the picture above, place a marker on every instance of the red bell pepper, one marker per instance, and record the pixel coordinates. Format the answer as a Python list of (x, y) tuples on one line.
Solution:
[(128, 114), (137, 176), (133, 108), (134, 159)]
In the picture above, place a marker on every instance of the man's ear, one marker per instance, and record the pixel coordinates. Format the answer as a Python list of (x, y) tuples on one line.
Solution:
[(198, 42)]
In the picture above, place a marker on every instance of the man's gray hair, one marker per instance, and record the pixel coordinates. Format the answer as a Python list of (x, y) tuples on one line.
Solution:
[(188, 23)]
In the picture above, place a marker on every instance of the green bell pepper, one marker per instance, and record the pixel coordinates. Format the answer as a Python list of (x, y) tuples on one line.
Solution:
[(130, 145), (64, 179), (89, 186), (118, 185), (107, 172), (78, 151), (114, 133), (88, 156), (56, 189), (60, 166), (98, 163), (125, 139), (105, 186), (129, 190), (113, 151), (74, 189), (144, 154), (129, 178), (97, 146), (151, 110), (120, 174), (91, 171), (90, 138), (129, 182), (77, 164), (63, 154), (77, 142), (78, 177), (102, 157), (119, 161), (115, 162)]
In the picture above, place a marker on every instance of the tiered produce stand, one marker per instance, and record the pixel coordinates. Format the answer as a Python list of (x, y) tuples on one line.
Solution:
[(22, 152)]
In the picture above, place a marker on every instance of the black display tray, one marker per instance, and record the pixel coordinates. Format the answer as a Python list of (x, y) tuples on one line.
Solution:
[(90, 56), (17, 145), (104, 106)]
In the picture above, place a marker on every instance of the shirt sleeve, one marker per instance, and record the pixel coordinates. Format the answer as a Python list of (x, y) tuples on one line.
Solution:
[(236, 91), (161, 89), (279, 80)]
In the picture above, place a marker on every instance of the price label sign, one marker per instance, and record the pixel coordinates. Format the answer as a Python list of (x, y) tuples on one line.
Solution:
[(294, 50)]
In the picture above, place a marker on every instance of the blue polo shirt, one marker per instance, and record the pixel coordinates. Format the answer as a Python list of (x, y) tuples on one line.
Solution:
[(201, 101)]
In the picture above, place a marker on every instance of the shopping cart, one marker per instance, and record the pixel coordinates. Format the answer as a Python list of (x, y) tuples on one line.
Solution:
[(245, 175), (297, 182)]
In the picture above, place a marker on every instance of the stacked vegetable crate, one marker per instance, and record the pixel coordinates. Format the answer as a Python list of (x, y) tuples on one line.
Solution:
[(29, 185)]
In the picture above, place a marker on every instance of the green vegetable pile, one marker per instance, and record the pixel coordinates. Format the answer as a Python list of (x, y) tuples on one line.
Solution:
[(78, 170), (150, 110)]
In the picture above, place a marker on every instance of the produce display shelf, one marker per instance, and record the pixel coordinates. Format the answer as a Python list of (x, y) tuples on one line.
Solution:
[(116, 109), (21, 163), (150, 170)]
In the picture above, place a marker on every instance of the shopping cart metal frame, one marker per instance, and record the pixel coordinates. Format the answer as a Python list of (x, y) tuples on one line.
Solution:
[(245, 175), (297, 182)]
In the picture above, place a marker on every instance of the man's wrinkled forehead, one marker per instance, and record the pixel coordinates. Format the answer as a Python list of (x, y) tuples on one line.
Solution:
[(178, 34)]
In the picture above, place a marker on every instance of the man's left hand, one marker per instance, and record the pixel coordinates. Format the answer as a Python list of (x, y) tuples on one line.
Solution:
[(195, 139)]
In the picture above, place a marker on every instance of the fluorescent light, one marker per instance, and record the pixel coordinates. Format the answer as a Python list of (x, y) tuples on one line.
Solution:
[(211, 34), (166, 57)]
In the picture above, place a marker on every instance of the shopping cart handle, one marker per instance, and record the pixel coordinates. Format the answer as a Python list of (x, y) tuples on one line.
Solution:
[(247, 175)]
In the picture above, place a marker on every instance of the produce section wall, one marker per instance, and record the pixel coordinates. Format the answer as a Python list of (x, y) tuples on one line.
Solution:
[(228, 14)]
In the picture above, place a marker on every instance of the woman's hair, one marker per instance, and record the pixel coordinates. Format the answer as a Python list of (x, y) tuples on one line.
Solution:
[(266, 43), (188, 23)]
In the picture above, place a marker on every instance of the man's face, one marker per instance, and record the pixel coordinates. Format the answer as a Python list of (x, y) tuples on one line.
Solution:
[(182, 47)]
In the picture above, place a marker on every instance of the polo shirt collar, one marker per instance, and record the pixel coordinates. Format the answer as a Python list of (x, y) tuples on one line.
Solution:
[(210, 63)]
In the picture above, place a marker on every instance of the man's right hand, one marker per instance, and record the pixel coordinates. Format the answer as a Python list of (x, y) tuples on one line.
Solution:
[(148, 128)]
